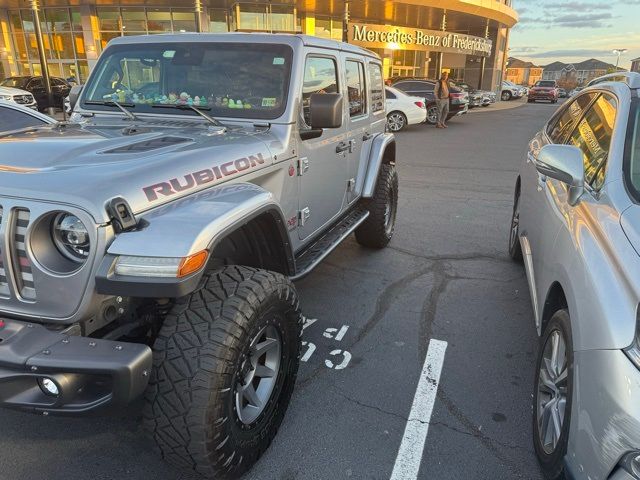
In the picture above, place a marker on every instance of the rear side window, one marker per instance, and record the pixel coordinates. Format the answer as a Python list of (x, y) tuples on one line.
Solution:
[(36, 83), (390, 94), (376, 88), (592, 135), (356, 88), (320, 76), (560, 127), (414, 86)]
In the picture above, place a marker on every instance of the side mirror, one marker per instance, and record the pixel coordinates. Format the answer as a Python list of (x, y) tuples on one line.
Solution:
[(74, 93), (565, 164), (326, 110)]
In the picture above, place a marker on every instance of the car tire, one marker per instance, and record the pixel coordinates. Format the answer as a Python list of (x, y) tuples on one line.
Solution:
[(376, 231), (515, 249), (432, 114), (208, 362), (396, 121), (552, 403), (506, 96)]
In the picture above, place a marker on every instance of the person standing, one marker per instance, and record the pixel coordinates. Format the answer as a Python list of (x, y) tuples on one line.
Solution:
[(441, 92)]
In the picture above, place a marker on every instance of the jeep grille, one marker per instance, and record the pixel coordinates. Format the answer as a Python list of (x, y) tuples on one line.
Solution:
[(21, 273)]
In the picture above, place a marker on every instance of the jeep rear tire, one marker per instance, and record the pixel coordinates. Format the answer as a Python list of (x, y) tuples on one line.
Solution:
[(376, 231), (225, 363)]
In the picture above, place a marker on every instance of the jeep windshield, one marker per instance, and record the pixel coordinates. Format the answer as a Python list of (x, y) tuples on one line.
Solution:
[(225, 79)]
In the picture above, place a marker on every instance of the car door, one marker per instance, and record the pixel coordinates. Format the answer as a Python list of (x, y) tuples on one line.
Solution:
[(323, 159), (359, 133), (36, 87)]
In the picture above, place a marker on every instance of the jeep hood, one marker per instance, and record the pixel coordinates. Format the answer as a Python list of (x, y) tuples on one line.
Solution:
[(86, 164)]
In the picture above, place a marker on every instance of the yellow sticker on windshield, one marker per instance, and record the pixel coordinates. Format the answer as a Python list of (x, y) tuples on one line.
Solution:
[(269, 102)]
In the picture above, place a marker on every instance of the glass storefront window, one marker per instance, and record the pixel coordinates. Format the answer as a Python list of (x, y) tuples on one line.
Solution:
[(327, 27), (109, 19), (105, 37), (218, 20), (16, 21), (62, 45), (27, 21), (78, 40), (134, 20), (184, 21), (252, 17), (282, 18), (57, 20), (76, 20), (159, 20)]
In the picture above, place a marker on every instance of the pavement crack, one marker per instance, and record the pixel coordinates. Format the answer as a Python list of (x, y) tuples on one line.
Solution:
[(370, 407), (455, 257), (478, 434)]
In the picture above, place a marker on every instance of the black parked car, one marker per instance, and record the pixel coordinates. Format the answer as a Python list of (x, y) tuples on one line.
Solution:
[(59, 88), (424, 87)]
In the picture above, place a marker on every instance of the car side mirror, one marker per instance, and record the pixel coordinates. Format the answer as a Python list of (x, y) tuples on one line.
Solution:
[(74, 93), (565, 164), (325, 110)]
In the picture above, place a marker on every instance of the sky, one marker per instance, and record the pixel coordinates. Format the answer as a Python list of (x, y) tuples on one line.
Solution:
[(571, 31)]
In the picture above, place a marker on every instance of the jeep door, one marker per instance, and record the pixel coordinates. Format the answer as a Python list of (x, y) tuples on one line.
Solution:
[(323, 163), (365, 117)]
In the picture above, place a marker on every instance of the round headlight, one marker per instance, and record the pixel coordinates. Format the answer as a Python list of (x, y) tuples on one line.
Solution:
[(71, 237)]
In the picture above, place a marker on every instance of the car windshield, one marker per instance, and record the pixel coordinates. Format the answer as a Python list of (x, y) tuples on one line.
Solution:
[(632, 149), (226, 79), (14, 82), (546, 84)]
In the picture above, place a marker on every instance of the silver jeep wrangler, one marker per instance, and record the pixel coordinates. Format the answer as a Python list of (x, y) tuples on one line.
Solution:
[(149, 246)]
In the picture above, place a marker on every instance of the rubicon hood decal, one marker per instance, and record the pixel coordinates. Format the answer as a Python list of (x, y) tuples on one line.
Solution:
[(202, 177)]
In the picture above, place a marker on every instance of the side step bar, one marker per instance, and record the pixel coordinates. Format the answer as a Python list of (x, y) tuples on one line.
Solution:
[(310, 257)]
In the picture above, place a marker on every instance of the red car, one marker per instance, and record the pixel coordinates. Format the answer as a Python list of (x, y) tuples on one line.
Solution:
[(543, 90)]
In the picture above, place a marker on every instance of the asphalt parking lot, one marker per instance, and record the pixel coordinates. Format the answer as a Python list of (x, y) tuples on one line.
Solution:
[(370, 318)]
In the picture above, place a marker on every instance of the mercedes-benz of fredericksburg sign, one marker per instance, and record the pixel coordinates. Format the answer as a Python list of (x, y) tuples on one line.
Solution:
[(383, 36)]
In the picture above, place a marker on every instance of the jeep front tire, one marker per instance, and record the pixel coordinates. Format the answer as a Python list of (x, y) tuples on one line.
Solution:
[(225, 363), (376, 231)]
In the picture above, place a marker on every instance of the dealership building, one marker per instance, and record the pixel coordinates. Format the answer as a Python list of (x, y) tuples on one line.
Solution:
[(414, 37)]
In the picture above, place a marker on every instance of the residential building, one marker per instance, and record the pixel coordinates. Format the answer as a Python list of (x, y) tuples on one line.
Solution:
[(577, 74), (521, 72), (635, 65)]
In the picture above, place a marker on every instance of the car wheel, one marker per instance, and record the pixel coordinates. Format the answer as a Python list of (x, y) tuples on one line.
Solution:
[(396, 121), (432, 115), (376, 231), (515, 250), (553, 395), (225, 363), (506, 96)]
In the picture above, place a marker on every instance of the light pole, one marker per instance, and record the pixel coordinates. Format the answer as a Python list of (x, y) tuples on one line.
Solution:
[(46, 80), (618, 52), (345, 22)]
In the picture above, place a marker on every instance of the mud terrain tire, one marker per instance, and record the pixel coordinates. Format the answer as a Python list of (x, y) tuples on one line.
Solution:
[(203, 356), (376, 231)]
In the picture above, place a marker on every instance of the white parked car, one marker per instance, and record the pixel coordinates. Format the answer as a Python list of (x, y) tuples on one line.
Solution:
[(21, 97), (403, 109)]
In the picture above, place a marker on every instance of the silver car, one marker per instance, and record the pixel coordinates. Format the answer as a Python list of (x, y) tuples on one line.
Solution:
[(576, 227)]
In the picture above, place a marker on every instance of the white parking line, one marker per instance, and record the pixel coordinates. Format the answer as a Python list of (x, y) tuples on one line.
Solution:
[(415, 433)]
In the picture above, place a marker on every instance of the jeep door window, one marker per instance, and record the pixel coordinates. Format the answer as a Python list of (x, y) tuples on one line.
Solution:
[(356, 88), (592, 135), (320, 76), (562, 123), (227, 79), (376, 88)]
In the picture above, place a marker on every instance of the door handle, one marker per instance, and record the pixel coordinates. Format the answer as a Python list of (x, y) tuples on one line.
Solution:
[(345, 146), (342, 147)]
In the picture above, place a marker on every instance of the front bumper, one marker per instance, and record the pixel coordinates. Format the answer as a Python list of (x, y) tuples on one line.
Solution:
[(605, 418), (88, 372)]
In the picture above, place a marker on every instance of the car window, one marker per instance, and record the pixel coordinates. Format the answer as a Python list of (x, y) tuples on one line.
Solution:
[(36, 83), (11, 119), (15, 82), (592, 135), (545, 84), (376, 87), (57, 82), (414, 86), (632, 149), (356, 88), (562, 124), (390, 94), (320, 76)]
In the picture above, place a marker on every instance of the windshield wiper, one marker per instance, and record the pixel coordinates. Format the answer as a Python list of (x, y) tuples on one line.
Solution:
[(199, 111), (113, 103)]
